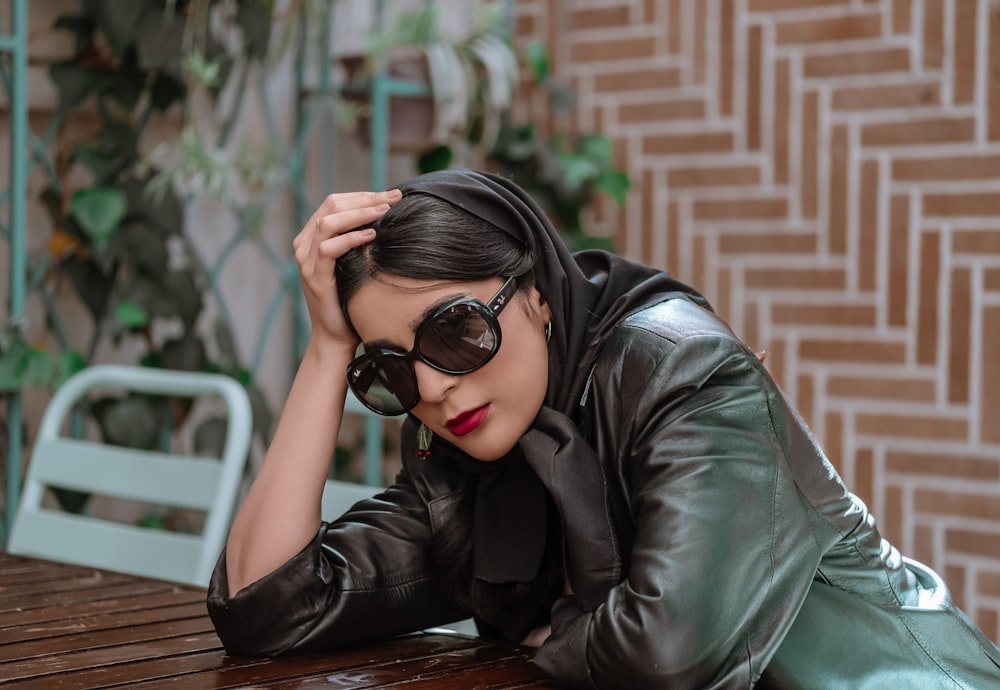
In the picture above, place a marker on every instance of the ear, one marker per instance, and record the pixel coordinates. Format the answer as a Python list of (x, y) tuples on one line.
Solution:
[(538, 308)]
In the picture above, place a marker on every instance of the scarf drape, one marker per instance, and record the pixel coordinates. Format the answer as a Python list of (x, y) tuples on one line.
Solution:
[(589, 293)]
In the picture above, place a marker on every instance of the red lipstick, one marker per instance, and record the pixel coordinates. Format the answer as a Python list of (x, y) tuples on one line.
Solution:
[(468, 421)]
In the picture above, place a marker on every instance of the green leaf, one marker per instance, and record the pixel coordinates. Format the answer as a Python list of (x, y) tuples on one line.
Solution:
[(184, 354), (438, 158), (185, 296), (159, 42), (210, 437), (126, 87), (562, 98), (537, 57), (23, 366), (596, 147), (577, 169), (101, 162), (581, 241), (206, 72), (91, 284), (131, 314), (153, 521), (69, 500), (227, 351), (145, 248), (164, 212), (165, 91), (616, 184), (98, 210), (81, 25), (51, 201), (75, 84), (39, 370), (120, 22), (132, 421), (70, 362)]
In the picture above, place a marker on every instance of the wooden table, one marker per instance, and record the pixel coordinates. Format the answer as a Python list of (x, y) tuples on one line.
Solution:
[(66, 627)]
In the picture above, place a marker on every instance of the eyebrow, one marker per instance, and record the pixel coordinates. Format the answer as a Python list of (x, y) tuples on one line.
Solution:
[(383, 343), (433, 307)]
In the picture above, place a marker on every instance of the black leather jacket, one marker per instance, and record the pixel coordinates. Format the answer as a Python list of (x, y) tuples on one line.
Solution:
[(744, 558)]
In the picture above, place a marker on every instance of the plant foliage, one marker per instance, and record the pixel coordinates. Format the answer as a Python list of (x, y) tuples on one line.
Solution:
[(563, 171), (124, 251)]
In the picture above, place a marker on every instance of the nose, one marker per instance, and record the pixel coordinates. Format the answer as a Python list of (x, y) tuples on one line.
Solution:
[(432, 384)]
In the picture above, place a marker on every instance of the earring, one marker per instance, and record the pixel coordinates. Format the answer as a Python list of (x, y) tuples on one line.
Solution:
[(424, 437), (548, 331)]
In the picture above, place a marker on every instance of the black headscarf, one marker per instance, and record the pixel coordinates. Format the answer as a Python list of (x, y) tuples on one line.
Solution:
[(589, 293)]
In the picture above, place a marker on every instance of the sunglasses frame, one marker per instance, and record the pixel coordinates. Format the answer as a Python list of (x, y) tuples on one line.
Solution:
[(490, 311)]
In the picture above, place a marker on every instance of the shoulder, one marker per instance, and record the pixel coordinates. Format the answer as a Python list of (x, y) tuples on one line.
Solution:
[(670, 345), (659, 330), (674, 320)]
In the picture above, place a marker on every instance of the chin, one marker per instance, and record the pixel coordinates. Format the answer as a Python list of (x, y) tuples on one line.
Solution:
[(486, 452)]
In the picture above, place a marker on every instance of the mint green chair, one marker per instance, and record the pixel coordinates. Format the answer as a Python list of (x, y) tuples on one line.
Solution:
[(162, 478)]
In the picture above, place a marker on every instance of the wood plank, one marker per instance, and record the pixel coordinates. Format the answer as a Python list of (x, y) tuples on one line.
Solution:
[(76, 661), (88, 625), (38, 572), (115, 590), (98, 639), (173, 671), (74, 583), (60, 614)]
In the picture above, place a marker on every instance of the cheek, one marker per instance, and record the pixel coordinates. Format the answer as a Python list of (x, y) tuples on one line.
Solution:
[(525, 367)]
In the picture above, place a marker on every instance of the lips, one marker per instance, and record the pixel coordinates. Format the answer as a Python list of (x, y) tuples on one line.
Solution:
[(468, 421)]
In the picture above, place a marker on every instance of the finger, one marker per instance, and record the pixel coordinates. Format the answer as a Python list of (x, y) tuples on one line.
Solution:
[(346, 221), (335, 247), (336, 203), (325, 227)]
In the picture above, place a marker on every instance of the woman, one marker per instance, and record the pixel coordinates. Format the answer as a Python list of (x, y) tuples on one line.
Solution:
[(593, 464)]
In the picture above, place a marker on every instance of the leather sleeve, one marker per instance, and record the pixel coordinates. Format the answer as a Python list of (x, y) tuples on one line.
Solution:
[(723, 552), (363, 577)]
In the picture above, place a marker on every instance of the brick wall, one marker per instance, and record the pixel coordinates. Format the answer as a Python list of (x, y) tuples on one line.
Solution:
[(828, 173)]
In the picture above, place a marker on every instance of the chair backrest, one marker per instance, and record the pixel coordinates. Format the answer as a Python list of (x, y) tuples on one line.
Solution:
[(200, 483), (339, 496)]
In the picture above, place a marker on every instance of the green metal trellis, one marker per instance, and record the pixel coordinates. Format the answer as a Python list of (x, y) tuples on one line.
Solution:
[(13, 47)]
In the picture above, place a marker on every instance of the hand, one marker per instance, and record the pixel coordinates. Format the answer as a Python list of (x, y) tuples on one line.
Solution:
[(325, 238)]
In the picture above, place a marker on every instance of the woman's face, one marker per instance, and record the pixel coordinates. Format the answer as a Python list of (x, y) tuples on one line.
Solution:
[(485, 412)]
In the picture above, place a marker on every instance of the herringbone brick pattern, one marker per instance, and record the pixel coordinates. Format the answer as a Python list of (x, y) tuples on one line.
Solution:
[(828, 173)]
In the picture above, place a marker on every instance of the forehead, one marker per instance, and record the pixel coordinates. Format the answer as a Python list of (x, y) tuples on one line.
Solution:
[(390, 307)]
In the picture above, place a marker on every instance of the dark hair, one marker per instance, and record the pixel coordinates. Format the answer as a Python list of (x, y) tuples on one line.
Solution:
[(426, 238)]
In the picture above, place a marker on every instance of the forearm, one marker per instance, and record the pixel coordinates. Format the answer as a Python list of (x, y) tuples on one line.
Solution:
[(281, 513)]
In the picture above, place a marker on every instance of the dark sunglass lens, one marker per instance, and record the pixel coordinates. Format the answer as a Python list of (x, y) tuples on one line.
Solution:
[(385, 383), (459, 339)]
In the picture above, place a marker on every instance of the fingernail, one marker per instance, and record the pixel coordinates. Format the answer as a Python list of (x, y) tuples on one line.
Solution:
[(393, 193), (382, 207)]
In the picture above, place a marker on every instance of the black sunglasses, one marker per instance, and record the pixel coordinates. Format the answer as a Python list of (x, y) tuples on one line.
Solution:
[(458, 338)]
